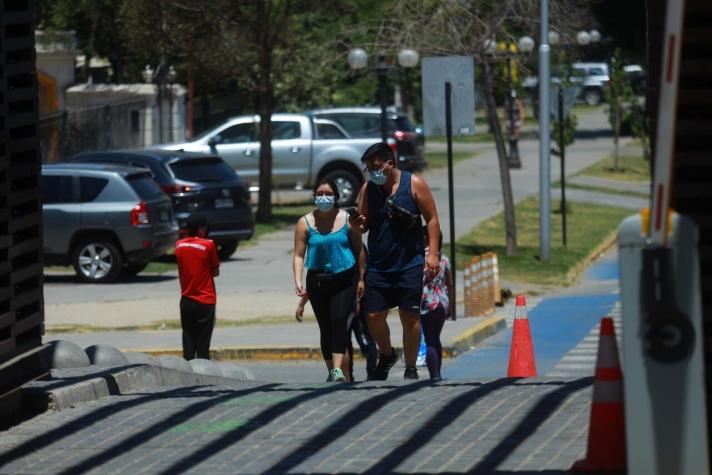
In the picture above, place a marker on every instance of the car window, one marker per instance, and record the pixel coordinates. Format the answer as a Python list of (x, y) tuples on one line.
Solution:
[(357, 125), (403, 124), (57, 189), (240, 133), (90, 187), (328, 131), (286, 130), (595, 72), (203, 170), (144, 186)]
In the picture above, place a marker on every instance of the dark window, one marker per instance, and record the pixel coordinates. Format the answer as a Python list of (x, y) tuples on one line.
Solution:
[(203, 170), (403, 124), (595, 72), (135, 122), (144, 186), (368, 125), (239, 133), (329, 131), (286, 130), (57, 189), (89, 188)]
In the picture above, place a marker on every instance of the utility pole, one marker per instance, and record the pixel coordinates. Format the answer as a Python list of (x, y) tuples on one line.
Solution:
[(544, 138)]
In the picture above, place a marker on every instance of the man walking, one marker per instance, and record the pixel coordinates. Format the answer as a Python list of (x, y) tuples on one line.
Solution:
[(390, 209), (198, 264)]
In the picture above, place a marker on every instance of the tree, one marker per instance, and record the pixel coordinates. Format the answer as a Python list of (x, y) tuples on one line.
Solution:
[(618, 95), (464, 27)]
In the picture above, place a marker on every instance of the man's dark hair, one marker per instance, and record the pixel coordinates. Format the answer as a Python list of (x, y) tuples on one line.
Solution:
[(378, 150), (195, 222)]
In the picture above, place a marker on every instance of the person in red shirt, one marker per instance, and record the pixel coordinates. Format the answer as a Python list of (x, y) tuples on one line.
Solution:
[(198, 265)]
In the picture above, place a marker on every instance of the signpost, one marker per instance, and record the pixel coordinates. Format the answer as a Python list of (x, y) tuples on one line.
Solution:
[(456, 76)]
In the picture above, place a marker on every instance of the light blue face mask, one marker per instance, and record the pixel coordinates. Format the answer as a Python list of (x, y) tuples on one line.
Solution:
[(377, 177), (324, 203)]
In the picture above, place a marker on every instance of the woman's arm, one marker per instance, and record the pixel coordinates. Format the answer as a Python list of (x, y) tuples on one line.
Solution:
[(300, 247), (361, 221), (357, 247), (450, 292)]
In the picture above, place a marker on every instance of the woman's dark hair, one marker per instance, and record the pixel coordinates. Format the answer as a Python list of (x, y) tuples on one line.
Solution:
[(334, 189)]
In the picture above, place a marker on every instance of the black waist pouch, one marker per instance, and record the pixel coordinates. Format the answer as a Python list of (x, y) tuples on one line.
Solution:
[(325, 282), (401, 216)]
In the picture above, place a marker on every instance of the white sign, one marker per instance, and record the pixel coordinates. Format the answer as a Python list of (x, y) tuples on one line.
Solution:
[(459, 71)]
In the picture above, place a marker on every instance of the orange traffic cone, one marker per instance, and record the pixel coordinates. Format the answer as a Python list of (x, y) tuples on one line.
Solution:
[(521, 353), (606, 433)]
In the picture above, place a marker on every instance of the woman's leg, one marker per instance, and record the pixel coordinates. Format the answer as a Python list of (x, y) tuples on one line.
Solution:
[(341, 305), (320, 302), (432, 323)]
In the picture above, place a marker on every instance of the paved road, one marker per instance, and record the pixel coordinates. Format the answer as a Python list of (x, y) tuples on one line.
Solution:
[(483, 427), (257, 282)]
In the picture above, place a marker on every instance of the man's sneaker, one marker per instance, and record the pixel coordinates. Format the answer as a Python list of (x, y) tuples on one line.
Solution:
[(411, 373), (337, 376), (385, 363)]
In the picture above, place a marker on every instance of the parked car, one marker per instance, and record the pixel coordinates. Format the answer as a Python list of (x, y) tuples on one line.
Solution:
[(195, 182), (592, 77), (307, 147), (104, 219)]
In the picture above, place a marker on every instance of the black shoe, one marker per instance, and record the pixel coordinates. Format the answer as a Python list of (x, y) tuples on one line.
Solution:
[(385, 363), (411, 373)]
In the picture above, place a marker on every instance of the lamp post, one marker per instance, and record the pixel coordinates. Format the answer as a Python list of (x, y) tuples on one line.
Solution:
[(358, 59), (171, 77), (524, 45)]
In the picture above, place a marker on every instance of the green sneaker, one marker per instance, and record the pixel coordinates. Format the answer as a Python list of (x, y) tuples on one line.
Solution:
[(330, 378), (337, 376)]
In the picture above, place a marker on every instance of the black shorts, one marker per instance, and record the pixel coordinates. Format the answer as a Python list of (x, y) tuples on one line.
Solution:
[(385, 290)]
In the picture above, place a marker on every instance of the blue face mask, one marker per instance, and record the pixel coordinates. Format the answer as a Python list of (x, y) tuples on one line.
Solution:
[(324, 203), (377, 177)]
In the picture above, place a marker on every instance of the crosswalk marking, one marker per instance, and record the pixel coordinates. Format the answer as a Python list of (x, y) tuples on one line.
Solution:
[(581, 360)]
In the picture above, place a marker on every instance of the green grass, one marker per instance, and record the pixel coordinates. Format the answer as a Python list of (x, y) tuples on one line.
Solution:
[(630, 168), (439, 159), (588, 228), (483, 137), (601, 189)]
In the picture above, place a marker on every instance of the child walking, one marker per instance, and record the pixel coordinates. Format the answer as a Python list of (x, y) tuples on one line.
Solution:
[(436, 305)]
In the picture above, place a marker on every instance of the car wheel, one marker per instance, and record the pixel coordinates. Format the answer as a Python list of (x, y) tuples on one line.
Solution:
[(227, 249), (132, 270), (97, 261), (348, 185), (592, 97)]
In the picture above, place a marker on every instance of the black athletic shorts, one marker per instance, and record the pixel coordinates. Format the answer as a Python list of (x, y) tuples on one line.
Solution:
[(385, 290)]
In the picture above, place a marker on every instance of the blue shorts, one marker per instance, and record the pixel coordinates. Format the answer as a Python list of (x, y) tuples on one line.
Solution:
[(402, 289)]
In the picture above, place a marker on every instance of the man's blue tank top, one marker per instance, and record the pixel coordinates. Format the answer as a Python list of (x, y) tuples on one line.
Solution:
[(330, 253), (391, 248)]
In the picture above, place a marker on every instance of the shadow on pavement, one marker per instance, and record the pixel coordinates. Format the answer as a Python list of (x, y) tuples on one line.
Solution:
[(432, 427), (258, 421), (139, 279), (156, 429), (538, 414), (92, 418)]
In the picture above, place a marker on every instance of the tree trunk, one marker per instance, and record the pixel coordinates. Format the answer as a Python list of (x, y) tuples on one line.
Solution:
[(265, 105), (616, 135), (510, 225)]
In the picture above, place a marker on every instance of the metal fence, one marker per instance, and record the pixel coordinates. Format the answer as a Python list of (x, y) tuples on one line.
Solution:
[(103, 127)]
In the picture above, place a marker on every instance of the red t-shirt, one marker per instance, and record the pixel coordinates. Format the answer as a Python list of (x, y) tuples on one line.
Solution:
[(197, 259)]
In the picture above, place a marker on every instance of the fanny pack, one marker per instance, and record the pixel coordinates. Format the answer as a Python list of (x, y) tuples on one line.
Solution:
[(401, 215), (325, 282)]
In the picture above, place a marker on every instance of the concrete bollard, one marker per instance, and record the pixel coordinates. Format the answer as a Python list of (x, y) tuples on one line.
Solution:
[(62, 354), (105, 355)]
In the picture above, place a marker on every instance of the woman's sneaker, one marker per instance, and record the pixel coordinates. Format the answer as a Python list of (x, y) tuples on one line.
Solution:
[(411, 373), (385, 363), (336, 376)]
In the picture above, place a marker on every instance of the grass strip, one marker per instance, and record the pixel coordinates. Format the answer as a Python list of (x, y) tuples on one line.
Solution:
[(602, 189), (630, 168), (589, 226), (439, 159)]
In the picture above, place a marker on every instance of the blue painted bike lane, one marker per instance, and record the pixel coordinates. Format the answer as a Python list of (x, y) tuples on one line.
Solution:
[(557, 323)]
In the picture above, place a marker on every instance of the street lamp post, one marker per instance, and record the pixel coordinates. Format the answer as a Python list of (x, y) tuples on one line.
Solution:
[(358, 59)]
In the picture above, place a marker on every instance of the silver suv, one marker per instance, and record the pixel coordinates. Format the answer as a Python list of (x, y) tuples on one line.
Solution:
[(104, 219)]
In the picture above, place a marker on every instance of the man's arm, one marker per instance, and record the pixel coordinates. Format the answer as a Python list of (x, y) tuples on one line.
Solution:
[(426, 204), (214, 260)]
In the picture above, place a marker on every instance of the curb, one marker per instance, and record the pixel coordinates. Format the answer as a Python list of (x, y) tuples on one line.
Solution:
[(41, 396), (463, 342)]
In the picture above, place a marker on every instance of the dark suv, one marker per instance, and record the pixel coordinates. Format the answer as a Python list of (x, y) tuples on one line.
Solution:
[(195, 182), (365, 123), (104, 219)]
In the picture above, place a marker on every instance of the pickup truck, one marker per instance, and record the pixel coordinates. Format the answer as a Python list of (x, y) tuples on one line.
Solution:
[(307, 147)]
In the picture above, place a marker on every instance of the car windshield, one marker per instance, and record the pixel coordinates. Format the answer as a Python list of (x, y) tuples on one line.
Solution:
[(144, 186), (203, 170)]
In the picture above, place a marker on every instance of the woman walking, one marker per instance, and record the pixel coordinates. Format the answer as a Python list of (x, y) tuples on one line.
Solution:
[(335, 276), (436, 305)]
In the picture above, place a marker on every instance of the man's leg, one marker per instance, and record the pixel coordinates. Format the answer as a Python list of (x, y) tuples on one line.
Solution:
[(204, 330), (379, 330), (186, 323), (411, 336)]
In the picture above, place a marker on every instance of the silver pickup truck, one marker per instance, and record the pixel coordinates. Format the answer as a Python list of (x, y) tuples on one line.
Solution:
[(325, 143)]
